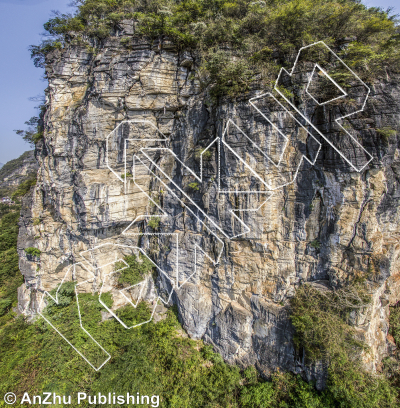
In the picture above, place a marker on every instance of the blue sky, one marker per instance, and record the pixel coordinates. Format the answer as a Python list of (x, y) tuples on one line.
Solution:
[(21, 23)]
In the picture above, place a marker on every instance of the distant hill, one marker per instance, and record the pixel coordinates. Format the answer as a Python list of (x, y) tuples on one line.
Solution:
[(16, 171), (1, 165)]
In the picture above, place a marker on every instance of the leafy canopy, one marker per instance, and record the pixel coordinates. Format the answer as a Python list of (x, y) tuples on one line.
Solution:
[(238, 41)]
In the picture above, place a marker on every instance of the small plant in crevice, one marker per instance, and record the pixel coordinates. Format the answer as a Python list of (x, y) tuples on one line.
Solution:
[(202, 153), (194, 186), (286, 92), (315, 244), (126, 175), (154, 223), (33, 251), (386, 133), (126, 42)]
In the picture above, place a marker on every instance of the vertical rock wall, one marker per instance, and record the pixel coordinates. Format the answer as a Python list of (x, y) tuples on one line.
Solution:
[(330, 225)]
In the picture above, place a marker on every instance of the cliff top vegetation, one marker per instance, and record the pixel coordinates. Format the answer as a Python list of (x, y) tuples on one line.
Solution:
[(238, 41)]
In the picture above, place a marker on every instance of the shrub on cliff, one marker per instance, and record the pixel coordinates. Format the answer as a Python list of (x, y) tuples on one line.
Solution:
[(35, 131), (323, 332), (136, 270), (33, 251), (256, 36)]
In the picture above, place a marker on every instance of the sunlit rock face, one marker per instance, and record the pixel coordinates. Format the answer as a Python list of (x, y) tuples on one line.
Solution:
[(328, 226)]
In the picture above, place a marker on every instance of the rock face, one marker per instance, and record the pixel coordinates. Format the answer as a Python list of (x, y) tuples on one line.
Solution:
[(233, 282), (16, 171)]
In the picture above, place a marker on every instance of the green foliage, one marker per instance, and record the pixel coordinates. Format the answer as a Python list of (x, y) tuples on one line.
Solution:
[(39, 52), (156, 359), (194, 186), (350, 386), (321, 321), (9, 170), (227, 76), (126, 175), (392, 362), (5, 305), (25, 187), (13, 165), (200, 152), (240, 40), (33, 251), (35, 128), (386, 133), (154, 223), (64, 297), (394, 323), (284, 390), (319, 318), (209, 355), (125, 42), (152, 359), (286, 93), (10, 277), (315, 243), (136, 271)]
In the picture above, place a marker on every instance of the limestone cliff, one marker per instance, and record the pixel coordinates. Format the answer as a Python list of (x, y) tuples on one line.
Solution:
[(331, 224)]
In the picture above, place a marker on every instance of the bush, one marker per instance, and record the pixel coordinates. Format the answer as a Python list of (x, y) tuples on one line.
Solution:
[(33, 251), (320, 320), (394, 323), (65, 295), (194, 186), (154, 223), (285, 390), (5, 305), (386, 133), (35, 130), (315, 243), (24, 187), (240, 40), (200, 152), (10, 276), (227, 76), (127, 175), (136, 271), (322, 330)]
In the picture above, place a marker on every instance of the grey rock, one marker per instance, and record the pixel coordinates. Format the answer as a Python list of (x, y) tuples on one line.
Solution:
[(239, 305)]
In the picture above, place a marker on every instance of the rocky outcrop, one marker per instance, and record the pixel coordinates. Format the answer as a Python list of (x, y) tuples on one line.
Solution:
[(13, 173), (331, 225)]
